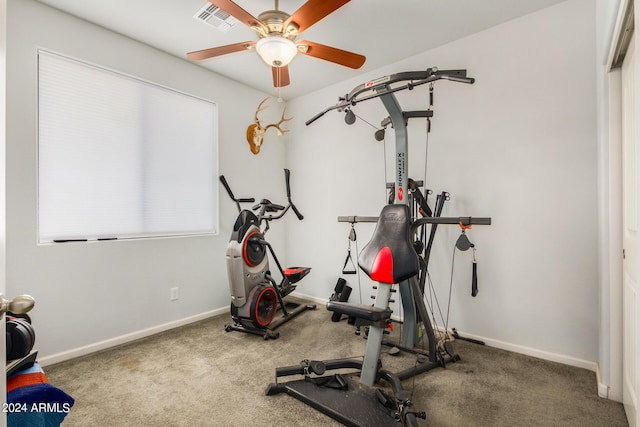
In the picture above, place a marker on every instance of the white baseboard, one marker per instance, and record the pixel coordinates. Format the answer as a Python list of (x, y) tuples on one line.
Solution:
[(112, 342), (318, 300), (603, 389), (516, 348), (91, 348), (534, 352)]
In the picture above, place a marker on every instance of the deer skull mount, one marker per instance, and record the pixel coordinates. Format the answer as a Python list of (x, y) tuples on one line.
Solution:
[(255, 131)]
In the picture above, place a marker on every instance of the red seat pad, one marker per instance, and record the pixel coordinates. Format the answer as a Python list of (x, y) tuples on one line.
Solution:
[(382, 268), (390, 257)]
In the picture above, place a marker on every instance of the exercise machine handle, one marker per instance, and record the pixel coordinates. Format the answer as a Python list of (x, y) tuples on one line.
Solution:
[(223, 180), (297, 212), (387, 85), (287, 175), (474, 280), (268, 206), (468, 80), (225, 184), (317, 116)]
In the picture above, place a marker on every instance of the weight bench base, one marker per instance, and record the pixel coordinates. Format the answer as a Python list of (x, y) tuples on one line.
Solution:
[(355, 407)]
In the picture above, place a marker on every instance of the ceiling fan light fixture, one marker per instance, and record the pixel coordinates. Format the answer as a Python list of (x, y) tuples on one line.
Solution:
[(276, 51)]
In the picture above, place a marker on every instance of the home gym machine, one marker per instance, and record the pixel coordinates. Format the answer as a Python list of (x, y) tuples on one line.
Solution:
[(389, 258), (255, 295)]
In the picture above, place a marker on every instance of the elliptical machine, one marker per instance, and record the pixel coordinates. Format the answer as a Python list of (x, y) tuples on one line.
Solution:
[(255, 295)]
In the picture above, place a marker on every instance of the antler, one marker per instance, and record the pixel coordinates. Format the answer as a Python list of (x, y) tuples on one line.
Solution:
[(277, 125), (260, 108), (255, 131)]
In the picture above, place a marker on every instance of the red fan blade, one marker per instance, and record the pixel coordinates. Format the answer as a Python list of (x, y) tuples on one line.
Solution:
[(280, 76), (220, 50), (237, 12), (332, 54), (313, 11)]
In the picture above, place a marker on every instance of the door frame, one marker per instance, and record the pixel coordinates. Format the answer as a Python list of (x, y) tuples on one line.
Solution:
[(609, 371), (3, 133)]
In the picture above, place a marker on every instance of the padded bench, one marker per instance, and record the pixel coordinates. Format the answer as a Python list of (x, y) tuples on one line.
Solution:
[(360, 311)]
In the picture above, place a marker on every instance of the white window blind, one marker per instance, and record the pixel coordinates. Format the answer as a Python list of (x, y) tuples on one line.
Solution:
[(119, 157)]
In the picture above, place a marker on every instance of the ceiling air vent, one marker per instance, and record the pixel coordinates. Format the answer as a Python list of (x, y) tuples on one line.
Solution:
[(215, 17)]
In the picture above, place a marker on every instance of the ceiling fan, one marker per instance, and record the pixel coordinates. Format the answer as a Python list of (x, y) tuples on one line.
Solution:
[(277, 32)]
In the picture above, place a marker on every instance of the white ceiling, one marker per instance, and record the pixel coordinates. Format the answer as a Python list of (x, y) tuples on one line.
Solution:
[(385, 31)]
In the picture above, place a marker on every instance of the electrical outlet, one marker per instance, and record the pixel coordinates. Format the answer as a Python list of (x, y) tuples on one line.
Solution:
[(174, 294)]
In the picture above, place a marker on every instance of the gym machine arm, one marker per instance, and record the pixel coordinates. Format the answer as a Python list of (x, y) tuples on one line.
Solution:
[(382, 86), (464, 220)]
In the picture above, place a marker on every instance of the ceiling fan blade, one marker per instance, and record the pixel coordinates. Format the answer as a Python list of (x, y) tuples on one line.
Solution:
[(220, 50), (332, 54), (280, 76), (237, 12), (313, 11)]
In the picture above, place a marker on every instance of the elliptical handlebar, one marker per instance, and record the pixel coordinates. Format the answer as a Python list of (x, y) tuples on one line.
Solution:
[(287, 174), (268, 206), (265, 206), (225, 184), (297, 212)]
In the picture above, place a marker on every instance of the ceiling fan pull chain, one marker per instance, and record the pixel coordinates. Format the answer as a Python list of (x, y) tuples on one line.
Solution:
[(278, 72)]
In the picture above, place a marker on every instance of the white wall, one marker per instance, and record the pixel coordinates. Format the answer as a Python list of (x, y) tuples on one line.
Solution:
[(519, 146), (90, 294)]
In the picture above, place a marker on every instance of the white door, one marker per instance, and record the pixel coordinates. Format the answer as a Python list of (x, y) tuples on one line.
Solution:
[(631, 263)]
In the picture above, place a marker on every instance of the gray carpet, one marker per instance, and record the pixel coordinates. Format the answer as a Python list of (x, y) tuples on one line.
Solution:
[(199, 375)]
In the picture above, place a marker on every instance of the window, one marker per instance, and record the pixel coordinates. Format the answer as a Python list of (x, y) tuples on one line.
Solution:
[(120, 157)]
